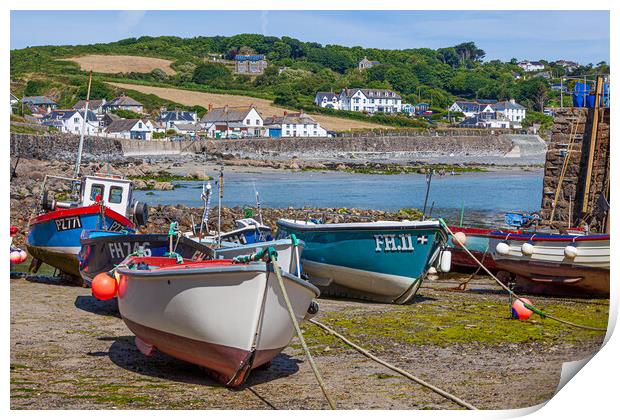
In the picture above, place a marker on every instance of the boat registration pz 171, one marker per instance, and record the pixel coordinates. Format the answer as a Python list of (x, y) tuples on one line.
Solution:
[(68, 223)]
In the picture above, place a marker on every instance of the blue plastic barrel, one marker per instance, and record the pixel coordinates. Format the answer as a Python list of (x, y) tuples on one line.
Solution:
[(580, 91)]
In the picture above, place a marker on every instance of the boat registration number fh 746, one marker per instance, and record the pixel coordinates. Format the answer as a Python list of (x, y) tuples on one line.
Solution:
[(120, 250), (68, 223), (397, 243)]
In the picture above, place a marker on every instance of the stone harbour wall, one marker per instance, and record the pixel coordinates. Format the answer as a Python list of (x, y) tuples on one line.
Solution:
[(571, 192)]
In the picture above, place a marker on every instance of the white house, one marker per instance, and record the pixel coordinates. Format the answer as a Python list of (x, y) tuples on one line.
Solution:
[(95, 105), (171, 118), (138, 129), (294, 125), (528, 66), (327, 100), (14, 102), (514, 112), (124, 103), (469, 109), (370, 100), (233, 121), (71, 121)]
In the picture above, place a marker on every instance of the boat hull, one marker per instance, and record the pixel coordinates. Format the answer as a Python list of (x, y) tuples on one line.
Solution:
[(227, 318), (54, 237), (547, 270), (380, 261), (101, 251), (477, 244)]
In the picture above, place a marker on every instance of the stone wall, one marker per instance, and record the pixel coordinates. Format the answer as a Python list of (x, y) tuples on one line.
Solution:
[(64, 147), (571, 192)]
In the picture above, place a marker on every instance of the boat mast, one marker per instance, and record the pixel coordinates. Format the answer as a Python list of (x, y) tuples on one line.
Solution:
[(428, 188), (219, 206), (76, 171)]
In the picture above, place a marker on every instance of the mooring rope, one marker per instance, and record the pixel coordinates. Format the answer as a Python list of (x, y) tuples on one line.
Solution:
[(517, 297), (272, 255), (406, 374)]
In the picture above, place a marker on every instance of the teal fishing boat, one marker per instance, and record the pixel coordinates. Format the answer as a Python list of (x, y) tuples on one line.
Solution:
[(377, 261)]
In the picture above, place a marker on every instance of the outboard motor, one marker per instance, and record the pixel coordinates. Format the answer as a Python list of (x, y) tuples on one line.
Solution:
[(140, 212)]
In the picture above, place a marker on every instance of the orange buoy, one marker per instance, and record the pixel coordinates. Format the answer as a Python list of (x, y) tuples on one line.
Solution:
[(104, 287), (519, 311)]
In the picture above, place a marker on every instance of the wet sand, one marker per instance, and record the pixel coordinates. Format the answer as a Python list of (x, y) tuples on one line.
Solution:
[(71, 351)]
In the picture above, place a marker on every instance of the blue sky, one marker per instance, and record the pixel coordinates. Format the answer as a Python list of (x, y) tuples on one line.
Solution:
[(502, 34)]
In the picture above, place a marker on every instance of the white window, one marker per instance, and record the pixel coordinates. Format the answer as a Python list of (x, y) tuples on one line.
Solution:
[(257, 122), (76, 120), (247, 122), (140, 125)]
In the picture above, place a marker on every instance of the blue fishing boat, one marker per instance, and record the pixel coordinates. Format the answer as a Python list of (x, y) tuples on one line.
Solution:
[(377, 261), (104, 202)]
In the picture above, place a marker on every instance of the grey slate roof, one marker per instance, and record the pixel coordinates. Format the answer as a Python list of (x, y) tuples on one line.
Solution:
[(500, 106), (92, 104), (292, 118), (38, 100), (123, 101), (64, 114), (176, 116), (227, 114), (372, 93), (118, 126), (329, 95)]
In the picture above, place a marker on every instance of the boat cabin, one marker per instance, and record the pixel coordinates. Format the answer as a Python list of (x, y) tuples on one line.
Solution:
[(115, 192)]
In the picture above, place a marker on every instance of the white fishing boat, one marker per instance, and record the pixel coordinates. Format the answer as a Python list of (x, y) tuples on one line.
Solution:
[(570, 265), (225, 316)]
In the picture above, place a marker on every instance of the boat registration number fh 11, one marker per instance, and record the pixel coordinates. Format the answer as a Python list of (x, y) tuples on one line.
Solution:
[(68, 223), (397, 243)]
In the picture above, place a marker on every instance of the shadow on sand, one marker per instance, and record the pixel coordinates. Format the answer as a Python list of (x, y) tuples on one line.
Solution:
[(98, 307), (124, 353)]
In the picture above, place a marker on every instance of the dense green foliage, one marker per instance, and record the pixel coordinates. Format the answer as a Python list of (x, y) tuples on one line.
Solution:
[(123, 113), (298, 70)]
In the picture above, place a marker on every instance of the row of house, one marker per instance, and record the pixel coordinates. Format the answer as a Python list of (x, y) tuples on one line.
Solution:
[(531, 66), (361, 100), (490, 113), (224, 122)]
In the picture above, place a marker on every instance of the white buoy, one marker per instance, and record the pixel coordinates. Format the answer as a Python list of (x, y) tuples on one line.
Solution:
[(571, 251), (445, 261), (459, 239), (527, 248), (502, 248)]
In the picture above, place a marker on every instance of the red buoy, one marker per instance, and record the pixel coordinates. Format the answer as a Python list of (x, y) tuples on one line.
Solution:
[(104, 287), (519, 311), (18, 256)]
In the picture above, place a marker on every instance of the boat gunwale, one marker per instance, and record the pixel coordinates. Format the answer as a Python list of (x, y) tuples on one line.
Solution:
[(355, 226), (80, 211), (258, 267), (526, 237)]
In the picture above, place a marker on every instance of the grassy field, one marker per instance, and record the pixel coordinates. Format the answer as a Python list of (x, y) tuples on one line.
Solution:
[(264, 106), (122, 64)]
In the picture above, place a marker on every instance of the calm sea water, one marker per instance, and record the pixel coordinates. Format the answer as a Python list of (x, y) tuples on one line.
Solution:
[(485, 196)]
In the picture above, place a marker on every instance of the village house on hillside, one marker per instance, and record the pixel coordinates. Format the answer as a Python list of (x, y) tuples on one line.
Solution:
[(365, 63), (137, 129), (490, 113), (233, 121), (124, 103), (568, 65), (370, 100), (71, 121), (95, 105), (327, 100), (39, 104), (528, 66), (296, 124), (250, 64), (170, 119), (14, 102)]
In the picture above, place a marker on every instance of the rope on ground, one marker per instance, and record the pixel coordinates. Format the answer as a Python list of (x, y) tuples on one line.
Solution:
[(406, 374), (515, 296), (276, 268)]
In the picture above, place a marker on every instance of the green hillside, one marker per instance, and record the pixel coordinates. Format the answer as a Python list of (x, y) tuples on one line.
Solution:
[(298, 70)]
